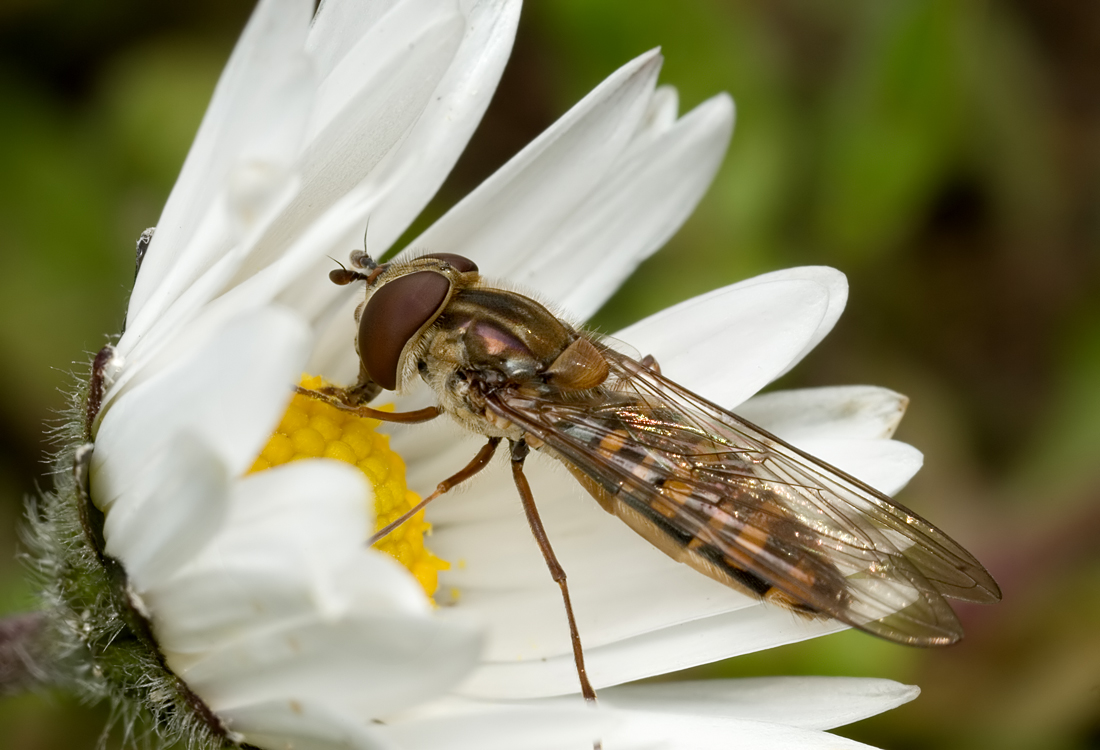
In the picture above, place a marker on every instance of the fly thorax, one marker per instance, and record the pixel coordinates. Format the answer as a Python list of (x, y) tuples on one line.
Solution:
[(506, 335)]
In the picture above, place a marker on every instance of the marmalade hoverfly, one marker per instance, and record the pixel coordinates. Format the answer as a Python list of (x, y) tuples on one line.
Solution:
[(700, 483)]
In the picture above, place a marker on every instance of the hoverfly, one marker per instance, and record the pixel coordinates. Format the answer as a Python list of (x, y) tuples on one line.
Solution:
[(703, 485)]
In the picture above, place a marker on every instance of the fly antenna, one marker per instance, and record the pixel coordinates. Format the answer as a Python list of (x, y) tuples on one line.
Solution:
[(344, 275), (361, 258)]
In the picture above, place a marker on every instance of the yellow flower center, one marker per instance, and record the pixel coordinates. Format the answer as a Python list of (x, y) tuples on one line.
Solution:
[(314, 429)]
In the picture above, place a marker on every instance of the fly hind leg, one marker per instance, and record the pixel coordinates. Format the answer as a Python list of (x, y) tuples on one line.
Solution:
[(519, 454)]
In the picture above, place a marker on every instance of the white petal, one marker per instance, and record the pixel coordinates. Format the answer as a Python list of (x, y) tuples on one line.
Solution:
[(334, 357), (531, 195), (856, 412), (374, 49), (729, 343), (804, 702), (391, 75), (837, 284), (292, 548), (688, 644), (886, 465), (202, 612), (266, 64), (504, 727), (714, 713), (301, 725), (643, 200), (663, 110), (654, 731), (452, 113), (142, 346), (376, 665), (299, 278), (177, 506), (323, 504), (339, 24), (229, 391)]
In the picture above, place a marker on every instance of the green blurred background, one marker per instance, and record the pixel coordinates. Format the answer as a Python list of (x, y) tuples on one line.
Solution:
[(945, 155)]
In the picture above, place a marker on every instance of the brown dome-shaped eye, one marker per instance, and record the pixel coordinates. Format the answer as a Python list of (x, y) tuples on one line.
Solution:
[(458, 262), (393, 316)]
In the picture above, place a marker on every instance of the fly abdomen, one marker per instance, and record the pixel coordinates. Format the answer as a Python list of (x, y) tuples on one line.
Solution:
[(765, 538)]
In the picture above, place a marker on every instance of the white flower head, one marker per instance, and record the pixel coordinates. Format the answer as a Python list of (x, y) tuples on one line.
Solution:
[(252, 598)]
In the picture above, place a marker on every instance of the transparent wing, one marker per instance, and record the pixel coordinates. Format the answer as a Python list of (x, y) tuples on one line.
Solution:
[(767, 516)]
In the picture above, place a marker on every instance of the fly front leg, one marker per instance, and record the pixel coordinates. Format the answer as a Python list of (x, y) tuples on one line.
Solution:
[(519, 454), (331, 396)]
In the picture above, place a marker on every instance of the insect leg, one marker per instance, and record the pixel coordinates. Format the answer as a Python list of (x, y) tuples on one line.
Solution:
[(650, 363), (97, 388), (519, 454), (480, 461), (142, 245), (402, 417)]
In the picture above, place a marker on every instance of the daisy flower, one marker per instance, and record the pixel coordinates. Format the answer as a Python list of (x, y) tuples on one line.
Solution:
[(204, 576)]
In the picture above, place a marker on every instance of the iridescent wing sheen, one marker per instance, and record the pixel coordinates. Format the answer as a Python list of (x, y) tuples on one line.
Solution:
[(746, 508)]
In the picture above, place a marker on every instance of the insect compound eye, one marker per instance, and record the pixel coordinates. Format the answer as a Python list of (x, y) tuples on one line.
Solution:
[(457, 262), (395, 314)]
